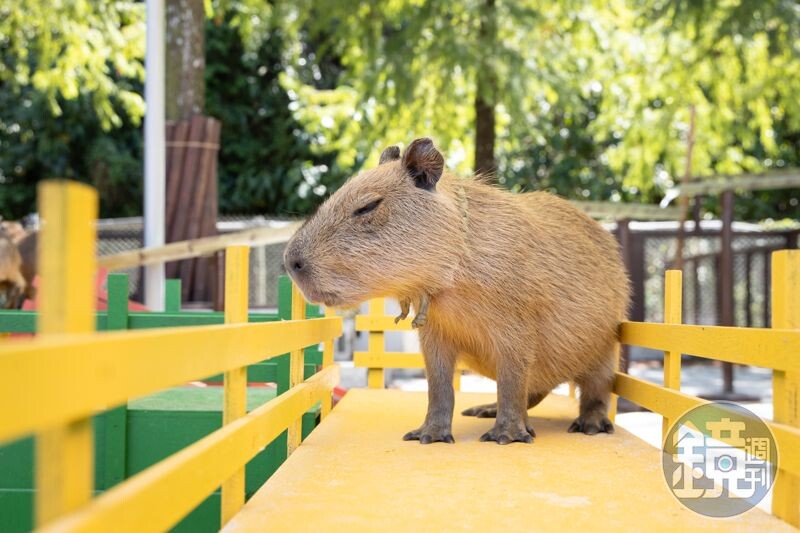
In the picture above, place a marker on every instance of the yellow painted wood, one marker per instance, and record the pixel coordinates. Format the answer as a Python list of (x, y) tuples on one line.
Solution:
[(673, 309), (235, 380), (296, 365), (158, 497), (380, 321), (376, 345), (327, 360), (381, 360), (786, 385), (378, 482), (612, 408), (764, 347), (64, 467), (457, 380), (673, 404), (101, 370)]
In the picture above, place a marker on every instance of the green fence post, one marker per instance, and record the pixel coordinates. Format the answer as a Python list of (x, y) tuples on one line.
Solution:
[(172, 296), (112, 432)]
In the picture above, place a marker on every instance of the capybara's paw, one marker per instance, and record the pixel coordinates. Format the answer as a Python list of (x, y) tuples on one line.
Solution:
[(427, 435), (420, 320), (508, 433), (405, 307), (591, 425), (488, 410)]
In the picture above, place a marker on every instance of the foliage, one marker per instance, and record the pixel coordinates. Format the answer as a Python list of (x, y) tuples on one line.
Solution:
[(74, 48), (592, 98), (265, 162), (626, 71), (36, 144)]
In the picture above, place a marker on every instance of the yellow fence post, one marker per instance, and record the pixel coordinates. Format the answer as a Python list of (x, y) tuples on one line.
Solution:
[(375, 376), (296, 367), (457, 380), (673, 314), (612, 405), (327, 360), (235, 393), (786, 385), (67, 265)]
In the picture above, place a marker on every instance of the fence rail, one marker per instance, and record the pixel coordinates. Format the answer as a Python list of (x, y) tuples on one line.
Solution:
[(54, 384), (197, 247), (777, 348)]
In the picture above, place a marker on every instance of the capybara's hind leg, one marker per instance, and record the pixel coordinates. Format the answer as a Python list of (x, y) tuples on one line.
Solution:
[(489, 410), (595, 396)]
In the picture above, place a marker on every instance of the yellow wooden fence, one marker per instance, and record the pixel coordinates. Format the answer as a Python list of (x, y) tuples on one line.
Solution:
[(53, 385), (777, 348)]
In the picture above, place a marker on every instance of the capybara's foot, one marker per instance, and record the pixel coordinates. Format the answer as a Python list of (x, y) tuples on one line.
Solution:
[(422, 311), (591, 424), (506, 433), (487, 410), (426, 435), (405, 307)]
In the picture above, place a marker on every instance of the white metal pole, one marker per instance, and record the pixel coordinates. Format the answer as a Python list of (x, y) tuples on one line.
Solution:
[(154, 151)]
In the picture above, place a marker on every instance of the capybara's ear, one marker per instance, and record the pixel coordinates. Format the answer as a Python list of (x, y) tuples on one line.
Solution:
[(424, 163), (390, 153)]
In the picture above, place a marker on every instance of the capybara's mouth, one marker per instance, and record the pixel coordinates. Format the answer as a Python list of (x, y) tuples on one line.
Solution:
[(315, 296)]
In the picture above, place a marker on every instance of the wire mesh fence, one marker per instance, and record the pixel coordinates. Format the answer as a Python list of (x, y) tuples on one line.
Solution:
[(266, 262)]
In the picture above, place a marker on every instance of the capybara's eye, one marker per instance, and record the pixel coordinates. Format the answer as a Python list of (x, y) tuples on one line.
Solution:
[(364, 209)]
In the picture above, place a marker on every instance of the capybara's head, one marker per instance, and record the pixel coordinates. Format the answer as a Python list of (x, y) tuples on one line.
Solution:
[(388, 231)]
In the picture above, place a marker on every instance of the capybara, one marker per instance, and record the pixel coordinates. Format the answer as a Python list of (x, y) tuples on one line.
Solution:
[(525, 288)]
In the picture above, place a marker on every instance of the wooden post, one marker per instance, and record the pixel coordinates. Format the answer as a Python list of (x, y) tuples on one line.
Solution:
[(235, 394), (698, 291), (748, 292), (673, 306), (327, 360), (725, 273), (296, 367), (637, 275), (786, 385), (375, 376), (67, 266)]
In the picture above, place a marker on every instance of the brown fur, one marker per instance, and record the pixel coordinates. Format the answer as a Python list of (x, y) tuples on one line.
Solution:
[(12, 282), (525, 288)]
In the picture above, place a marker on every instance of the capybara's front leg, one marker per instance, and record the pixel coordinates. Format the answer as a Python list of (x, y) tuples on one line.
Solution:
[(421, 318), (512, 404), (405, 307), (440, 365)]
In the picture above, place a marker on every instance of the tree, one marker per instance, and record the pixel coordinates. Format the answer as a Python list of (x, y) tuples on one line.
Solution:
[(266, 164), (629, 71), (70, 101), (66, 49)]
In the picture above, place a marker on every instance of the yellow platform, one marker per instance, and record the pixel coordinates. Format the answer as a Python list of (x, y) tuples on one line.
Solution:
[(355, 473)]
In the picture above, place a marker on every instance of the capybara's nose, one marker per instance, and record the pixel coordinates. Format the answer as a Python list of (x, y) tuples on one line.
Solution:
[(294, 262)]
